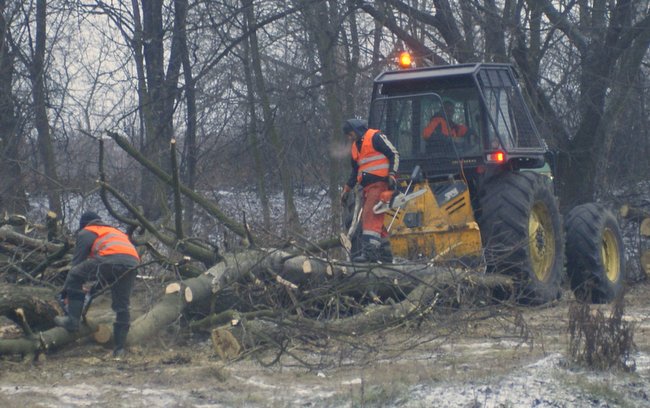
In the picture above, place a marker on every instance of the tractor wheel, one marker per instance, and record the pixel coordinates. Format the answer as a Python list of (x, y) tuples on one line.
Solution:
[(521, 230), (595, 254)]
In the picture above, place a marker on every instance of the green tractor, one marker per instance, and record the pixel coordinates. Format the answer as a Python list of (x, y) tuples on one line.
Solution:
[(488, 181)]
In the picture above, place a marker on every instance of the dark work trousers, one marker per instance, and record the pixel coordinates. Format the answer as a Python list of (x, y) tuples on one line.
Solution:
[(120, 278)]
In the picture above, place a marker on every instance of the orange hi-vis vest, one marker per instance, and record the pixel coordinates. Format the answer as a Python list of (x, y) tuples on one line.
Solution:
[(370, 160), (110, 241), (457, 130)]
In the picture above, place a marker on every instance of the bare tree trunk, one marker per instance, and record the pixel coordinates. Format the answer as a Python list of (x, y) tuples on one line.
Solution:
[(292, 221), (607, 48), (12, 190), (157, 90), (190, 149), (37, 77), (323, 22), (252, 133)]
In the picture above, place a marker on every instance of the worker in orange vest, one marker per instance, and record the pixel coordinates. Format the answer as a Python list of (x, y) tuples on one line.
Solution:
[(438, 123), (104, 255), (374, 165)]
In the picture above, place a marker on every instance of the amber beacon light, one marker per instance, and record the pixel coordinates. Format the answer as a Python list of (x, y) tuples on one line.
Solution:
[(405, 60)]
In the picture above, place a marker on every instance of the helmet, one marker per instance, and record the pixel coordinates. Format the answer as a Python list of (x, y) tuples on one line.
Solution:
[(359, 126)]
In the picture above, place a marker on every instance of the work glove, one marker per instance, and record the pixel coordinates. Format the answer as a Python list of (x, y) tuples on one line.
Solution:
[(345, 193), (392, 181)]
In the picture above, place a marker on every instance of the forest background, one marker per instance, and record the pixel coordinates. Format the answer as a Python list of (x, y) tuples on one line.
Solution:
[(254, 93)]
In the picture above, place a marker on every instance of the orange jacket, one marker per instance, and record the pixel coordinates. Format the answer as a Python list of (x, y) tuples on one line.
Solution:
[(439, 121), (110, 241), (370, 160)]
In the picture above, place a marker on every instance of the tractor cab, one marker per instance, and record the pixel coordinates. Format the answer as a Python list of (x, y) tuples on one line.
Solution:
[(456, 119), (484, 192), (462, 125)]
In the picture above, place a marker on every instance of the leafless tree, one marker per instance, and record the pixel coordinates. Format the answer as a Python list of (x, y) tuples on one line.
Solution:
[(12, 187), (37, 75)]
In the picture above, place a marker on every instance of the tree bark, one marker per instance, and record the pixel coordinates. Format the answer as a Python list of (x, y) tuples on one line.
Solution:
[(191, 150), (13, 198), (291, 219), (45, 144), (323, 23), (252, 136)]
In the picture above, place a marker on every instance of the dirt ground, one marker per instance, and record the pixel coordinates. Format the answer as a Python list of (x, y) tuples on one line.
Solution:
[(516, 358)]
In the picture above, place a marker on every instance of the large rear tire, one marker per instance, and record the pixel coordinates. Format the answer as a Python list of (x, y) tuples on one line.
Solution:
[(595, 254), (522, 234)]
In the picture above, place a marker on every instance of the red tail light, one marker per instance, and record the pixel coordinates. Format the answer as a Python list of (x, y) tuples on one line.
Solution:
[(496, 157)]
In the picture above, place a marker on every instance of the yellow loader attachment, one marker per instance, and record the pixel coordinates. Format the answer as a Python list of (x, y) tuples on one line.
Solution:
[(438, 224)]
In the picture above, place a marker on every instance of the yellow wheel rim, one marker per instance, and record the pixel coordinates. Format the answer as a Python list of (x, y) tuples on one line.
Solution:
[(541, 242), (610, 256)]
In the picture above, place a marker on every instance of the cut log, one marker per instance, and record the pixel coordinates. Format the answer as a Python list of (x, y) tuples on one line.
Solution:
[(420, 301), (103, 334), (644, 228), (45, 341), (168, 310), (174, 287), (297, 275), (234, 267), (189, 295)]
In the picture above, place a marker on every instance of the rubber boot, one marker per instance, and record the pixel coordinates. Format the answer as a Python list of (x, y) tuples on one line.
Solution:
[(120, 332), (71, 321), (385, 252), (369, 253)]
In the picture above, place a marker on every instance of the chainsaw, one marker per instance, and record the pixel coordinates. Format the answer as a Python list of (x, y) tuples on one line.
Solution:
[(395, 200)]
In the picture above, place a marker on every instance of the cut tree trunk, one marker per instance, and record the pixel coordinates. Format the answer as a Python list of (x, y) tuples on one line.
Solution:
[(243, 334), (43, 342), (295, 271), (408, 288), (644, 228)]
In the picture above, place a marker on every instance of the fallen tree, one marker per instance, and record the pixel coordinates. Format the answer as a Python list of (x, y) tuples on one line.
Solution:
[(296, 290), (251, 295)]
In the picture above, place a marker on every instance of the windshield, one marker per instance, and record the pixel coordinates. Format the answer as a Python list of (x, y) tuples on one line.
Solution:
[(432, 129)]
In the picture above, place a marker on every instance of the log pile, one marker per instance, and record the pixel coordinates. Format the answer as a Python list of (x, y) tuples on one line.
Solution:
[(250, 297), (243, 298)]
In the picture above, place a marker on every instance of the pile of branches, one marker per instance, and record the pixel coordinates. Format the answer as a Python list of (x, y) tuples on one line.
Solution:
[(249, 298), (246, 298)]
